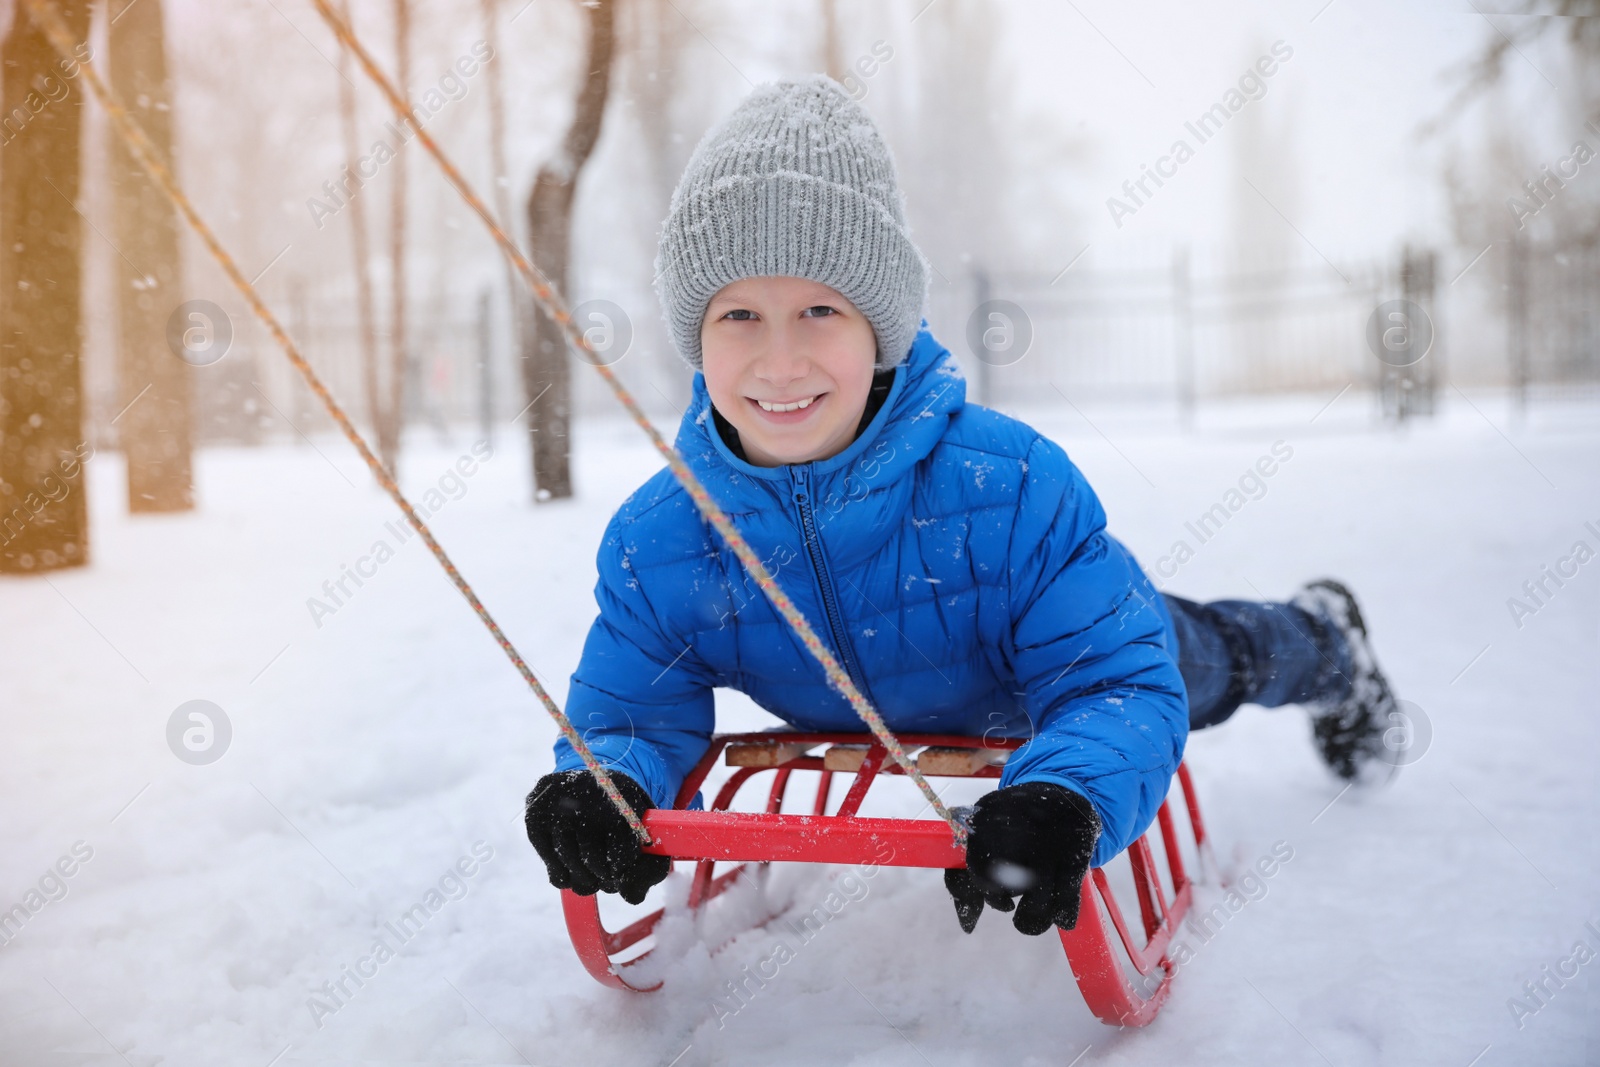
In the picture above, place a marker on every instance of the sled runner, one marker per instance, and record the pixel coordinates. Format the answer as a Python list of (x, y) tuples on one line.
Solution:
[(1121, 966)]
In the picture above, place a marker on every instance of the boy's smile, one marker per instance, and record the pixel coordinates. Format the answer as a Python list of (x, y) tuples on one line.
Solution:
[(789, 363)]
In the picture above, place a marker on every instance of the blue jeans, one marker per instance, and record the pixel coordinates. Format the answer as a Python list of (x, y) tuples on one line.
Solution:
[(1234, 652)]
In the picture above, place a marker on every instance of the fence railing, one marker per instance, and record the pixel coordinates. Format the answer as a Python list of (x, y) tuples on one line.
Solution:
[(1166, 334), (1553, 297), (458, 369), (1169, 332)]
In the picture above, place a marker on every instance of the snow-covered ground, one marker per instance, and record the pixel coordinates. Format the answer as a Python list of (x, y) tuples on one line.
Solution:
[(381, 749)]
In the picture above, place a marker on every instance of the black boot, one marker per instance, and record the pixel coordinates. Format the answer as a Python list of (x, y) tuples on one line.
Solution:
[(1349, 730)]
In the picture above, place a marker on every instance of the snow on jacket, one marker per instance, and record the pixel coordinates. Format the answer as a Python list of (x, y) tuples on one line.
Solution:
[(956, 562)]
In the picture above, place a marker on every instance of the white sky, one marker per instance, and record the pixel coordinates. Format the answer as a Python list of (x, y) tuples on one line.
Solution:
[(1363, 76)]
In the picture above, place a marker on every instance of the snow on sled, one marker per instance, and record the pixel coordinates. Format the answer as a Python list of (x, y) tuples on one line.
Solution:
[(1122, 970)]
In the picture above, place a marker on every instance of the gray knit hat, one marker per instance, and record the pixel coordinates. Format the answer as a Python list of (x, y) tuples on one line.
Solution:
[(796, 181)]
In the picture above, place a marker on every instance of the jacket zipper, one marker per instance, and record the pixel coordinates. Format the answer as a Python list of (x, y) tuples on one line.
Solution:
[(830, 601)]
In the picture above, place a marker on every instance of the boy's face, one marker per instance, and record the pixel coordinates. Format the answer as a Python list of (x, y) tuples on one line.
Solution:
[(772, 343)]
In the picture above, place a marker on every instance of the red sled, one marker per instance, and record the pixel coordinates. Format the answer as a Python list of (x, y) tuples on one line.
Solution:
[(1124, 980)]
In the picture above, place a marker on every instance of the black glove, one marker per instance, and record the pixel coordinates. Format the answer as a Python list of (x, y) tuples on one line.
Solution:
[(585, 842), (1035, 839)]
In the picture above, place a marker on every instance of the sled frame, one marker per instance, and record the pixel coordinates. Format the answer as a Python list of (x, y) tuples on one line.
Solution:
[(1101, 950)]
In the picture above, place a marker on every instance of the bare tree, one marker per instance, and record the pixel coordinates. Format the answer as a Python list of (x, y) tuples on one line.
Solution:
[(1485, 73), (1579, 18), (1489, 181), (359, 242), (517, 298), (956, 164), (832, 51), (546, 373), (652, 38), (154, 385), (389, 427), (1536, 234), (44, 522), (1266, 157), (658, 36)]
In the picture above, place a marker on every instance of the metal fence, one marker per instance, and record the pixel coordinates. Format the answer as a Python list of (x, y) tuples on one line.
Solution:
[(1176, 329), (1553, 293), (458, 369), (1172, 332)]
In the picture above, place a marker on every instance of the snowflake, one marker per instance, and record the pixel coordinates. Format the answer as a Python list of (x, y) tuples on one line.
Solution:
[(979, 471)]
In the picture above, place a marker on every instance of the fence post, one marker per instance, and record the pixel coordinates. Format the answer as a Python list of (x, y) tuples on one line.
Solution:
[(1518, 325), (1183, 334), (980, 296), (485, 371), (300, 329), (1417, 381)]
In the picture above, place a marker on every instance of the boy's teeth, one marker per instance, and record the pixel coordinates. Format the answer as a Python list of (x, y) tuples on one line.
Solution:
[(796, 406)]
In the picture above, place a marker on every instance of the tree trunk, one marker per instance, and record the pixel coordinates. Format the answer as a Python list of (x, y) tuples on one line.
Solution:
[(360, 245), (518, 299), (654, 37), (832, 53), (389, 429), (154, 431), (44, 521), (546, 372)]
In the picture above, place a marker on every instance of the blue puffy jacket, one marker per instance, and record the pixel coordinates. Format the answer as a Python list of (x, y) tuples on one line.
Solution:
[(957, 562)]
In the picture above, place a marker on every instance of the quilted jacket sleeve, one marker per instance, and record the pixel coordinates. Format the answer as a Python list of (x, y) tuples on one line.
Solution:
[(641, 698), (1093, 654)]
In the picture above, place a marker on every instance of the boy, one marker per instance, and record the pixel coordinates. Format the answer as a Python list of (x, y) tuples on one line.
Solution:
[(956, 560)]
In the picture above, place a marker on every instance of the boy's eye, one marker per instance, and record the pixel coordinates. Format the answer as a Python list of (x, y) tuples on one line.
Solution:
[(820, 310), (740, 315)]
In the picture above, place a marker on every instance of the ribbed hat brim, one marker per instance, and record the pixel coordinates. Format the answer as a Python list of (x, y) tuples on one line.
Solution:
[(795, 182), (777, 225)]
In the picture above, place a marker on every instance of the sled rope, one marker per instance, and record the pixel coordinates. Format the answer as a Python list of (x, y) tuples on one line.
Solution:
[(553, 306), (45, 15)]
